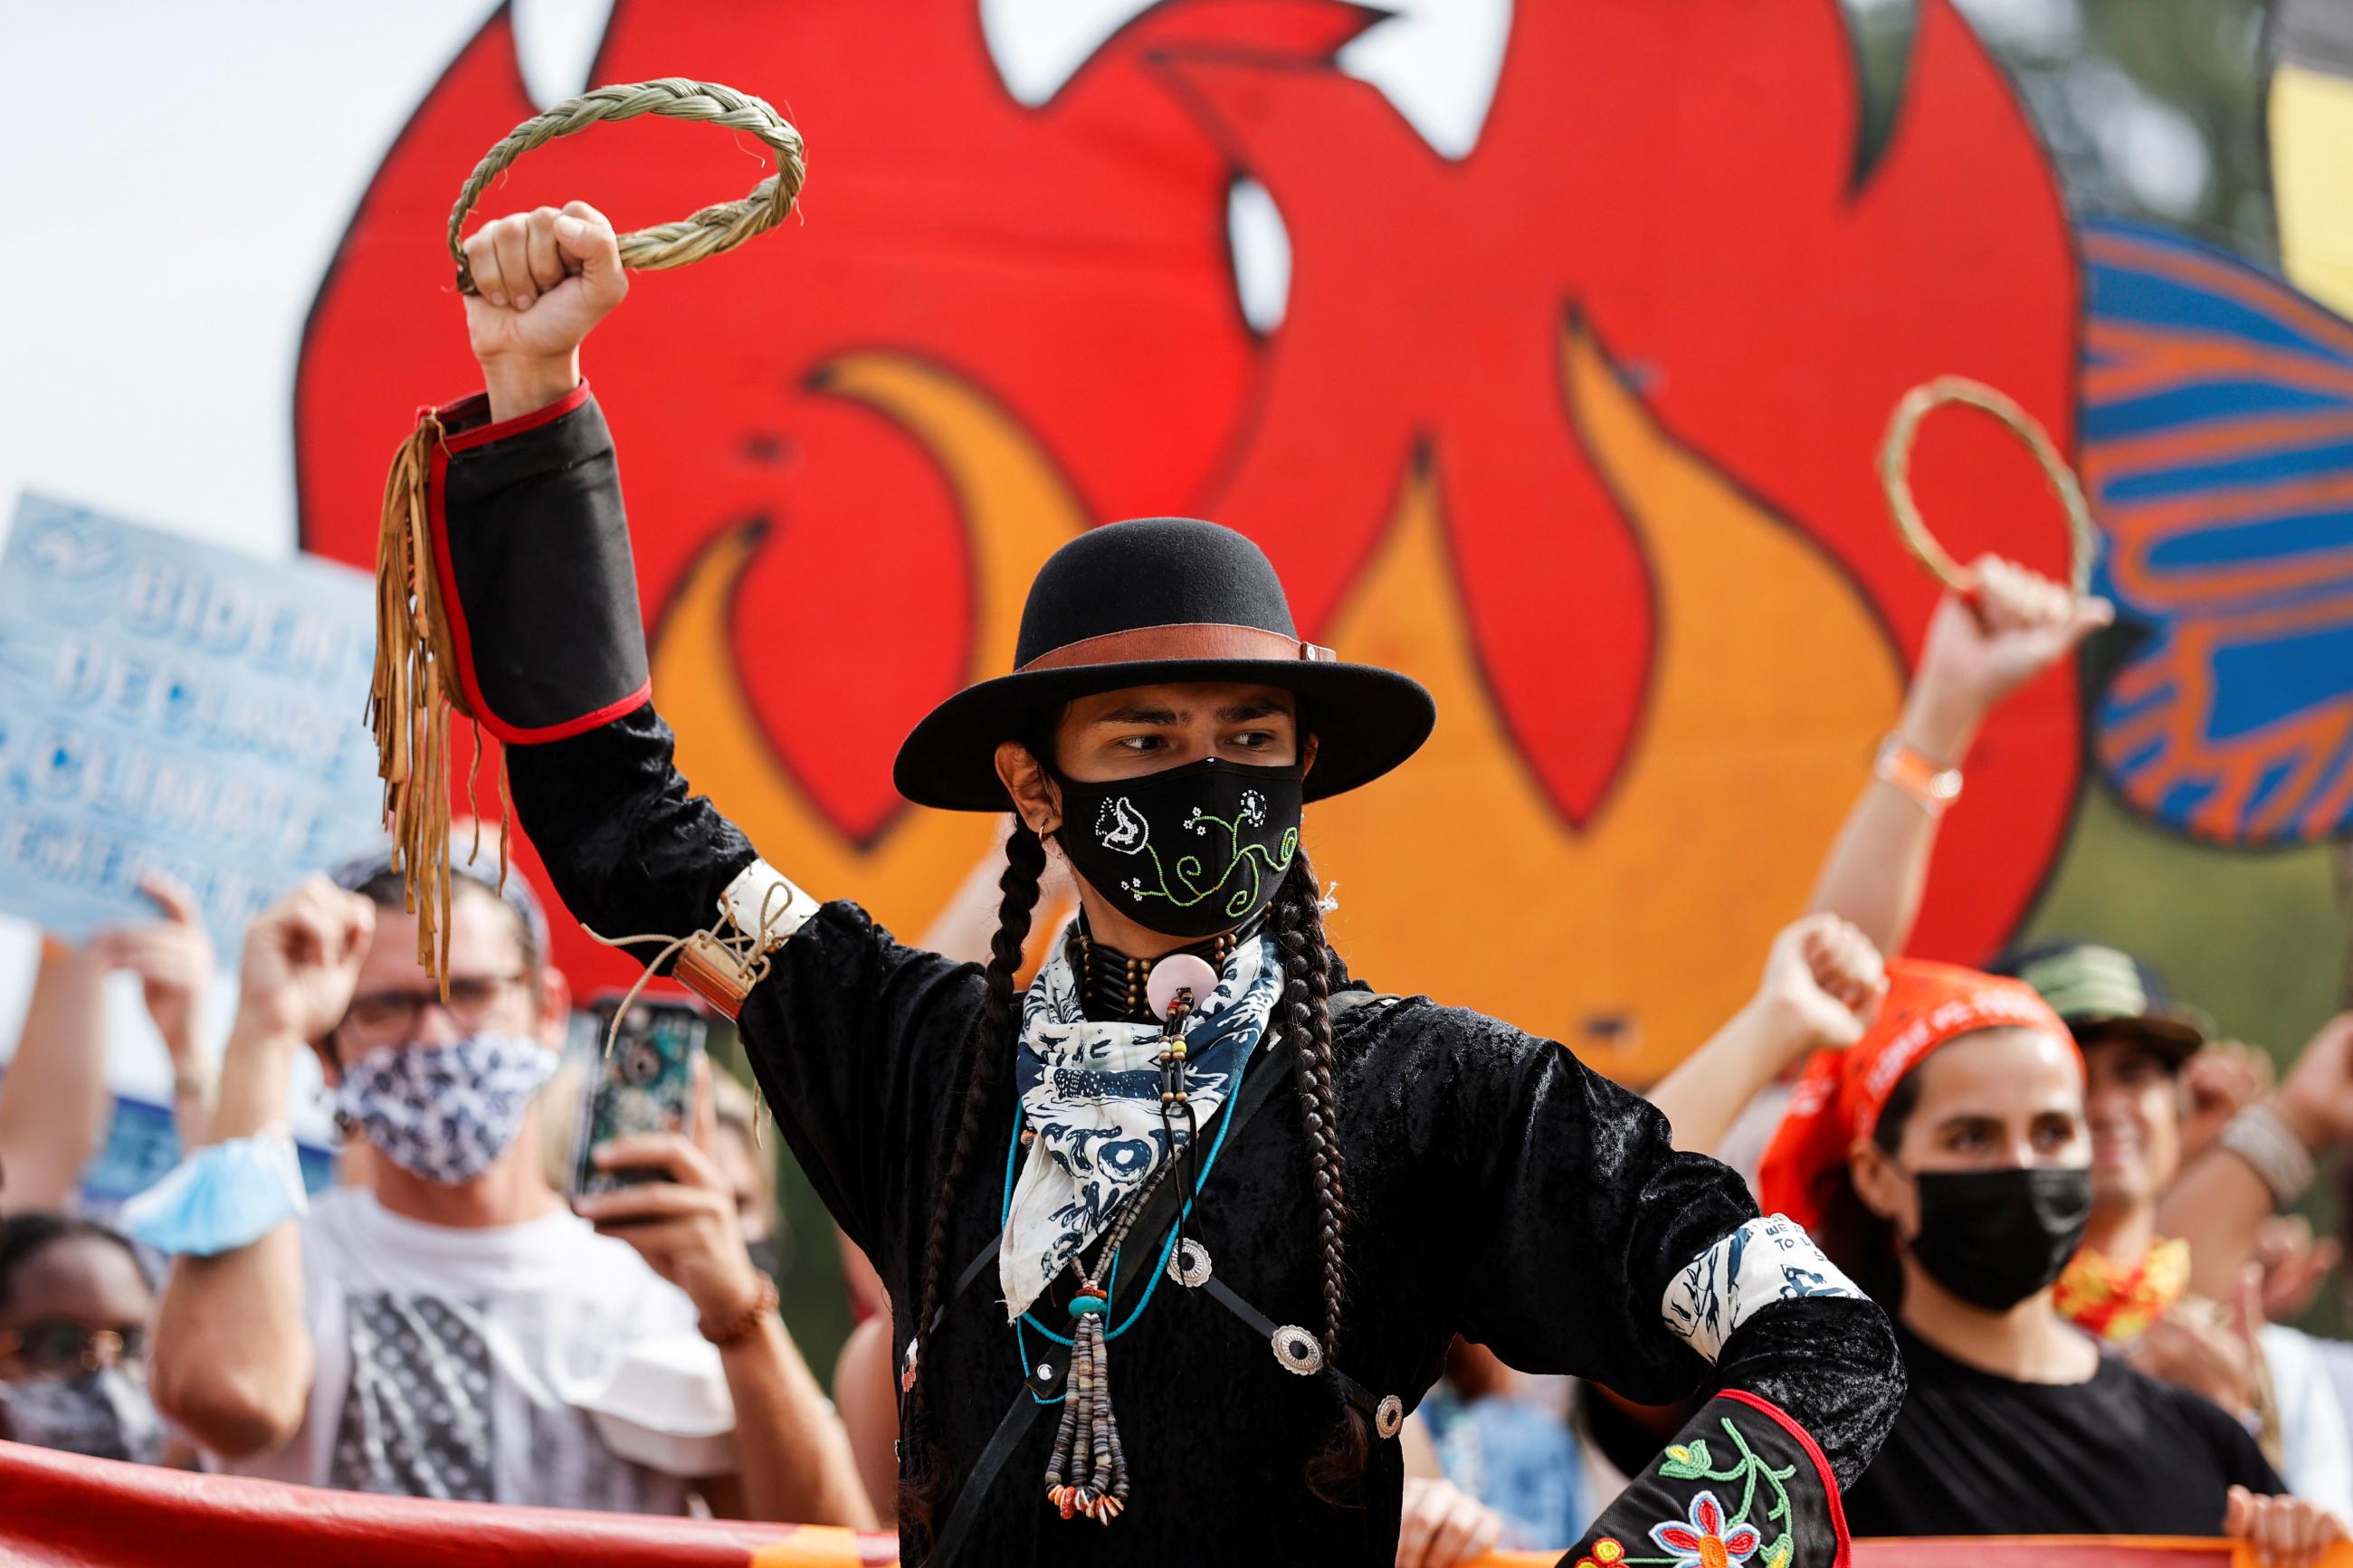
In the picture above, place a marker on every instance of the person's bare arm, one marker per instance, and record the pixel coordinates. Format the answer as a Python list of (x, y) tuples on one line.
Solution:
[(233, 1361), (1822, 982), (2219, 1203), (793, 1459), (1977, 652), (53, 1101), (174, 960), (866, 1393)]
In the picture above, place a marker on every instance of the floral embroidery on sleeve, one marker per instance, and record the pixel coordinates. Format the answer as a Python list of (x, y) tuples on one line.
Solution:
[(1742, 1486), (1706, 1538), (1701, 1541)]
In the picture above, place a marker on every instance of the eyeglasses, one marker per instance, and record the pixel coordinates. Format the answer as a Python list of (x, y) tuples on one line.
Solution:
[(381, 1016), (55, 1348)]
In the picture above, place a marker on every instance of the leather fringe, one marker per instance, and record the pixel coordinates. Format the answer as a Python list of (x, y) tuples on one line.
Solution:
[(411, 694)]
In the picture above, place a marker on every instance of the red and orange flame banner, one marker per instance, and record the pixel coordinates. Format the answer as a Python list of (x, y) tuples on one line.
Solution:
[(66, 1511), (1576, 425)]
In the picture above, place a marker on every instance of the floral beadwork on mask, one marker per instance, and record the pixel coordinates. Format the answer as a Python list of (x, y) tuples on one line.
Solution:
[(1248, 865), (1192, 851)]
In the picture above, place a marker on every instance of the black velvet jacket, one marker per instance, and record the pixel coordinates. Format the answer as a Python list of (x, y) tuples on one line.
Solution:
[(1500, 1188)]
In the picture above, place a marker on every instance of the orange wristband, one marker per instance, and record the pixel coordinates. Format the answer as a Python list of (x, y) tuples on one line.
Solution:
[(1933, 786)]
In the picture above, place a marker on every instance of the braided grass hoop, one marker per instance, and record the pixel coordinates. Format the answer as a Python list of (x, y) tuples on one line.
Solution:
[(690, 238), (1895, 476)]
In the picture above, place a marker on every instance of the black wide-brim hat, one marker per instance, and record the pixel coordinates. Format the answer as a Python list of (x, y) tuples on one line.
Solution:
[(1161, 600)]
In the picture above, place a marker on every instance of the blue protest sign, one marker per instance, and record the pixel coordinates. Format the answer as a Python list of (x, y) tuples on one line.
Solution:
[(169, 705)]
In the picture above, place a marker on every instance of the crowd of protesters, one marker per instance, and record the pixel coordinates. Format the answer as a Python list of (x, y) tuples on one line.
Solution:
[(2070, 1196)]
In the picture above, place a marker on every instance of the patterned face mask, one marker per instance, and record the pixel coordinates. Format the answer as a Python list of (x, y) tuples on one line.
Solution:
[(105, 1414), (1190, 852), (445, 1112)]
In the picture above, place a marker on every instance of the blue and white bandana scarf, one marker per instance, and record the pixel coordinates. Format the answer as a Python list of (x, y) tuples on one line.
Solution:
[(1091, 1093)]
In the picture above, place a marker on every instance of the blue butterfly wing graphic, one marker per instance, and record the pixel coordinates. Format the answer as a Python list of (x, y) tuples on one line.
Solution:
[(2216, 449)]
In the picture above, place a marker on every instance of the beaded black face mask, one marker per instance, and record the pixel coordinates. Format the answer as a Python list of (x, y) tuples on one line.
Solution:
[(1190, 852)]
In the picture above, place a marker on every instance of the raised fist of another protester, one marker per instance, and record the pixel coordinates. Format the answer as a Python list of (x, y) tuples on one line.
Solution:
[(2223, 1079), (1979, 650), (1823, 979), (302, 962)]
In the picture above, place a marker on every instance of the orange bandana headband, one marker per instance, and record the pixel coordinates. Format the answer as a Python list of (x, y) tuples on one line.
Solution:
[(1841, 1094)]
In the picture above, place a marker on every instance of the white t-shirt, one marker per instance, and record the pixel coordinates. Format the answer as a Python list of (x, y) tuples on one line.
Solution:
[(454, 1362)]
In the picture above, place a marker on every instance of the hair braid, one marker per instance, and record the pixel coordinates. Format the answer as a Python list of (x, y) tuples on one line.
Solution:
[(1296, 921), (1024, 860)]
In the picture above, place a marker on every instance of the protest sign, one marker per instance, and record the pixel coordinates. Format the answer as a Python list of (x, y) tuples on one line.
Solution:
[(169, 705)]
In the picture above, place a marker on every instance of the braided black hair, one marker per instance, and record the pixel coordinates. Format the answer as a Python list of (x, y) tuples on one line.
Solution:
[(992, 1044), (1309, 966)]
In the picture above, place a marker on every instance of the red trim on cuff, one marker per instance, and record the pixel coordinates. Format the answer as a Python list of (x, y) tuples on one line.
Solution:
[(595, 717), (483, 435), (460, 635), (1814, 1452)]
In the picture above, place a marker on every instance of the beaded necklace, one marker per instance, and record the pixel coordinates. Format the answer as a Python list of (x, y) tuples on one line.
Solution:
[(1086, 1472), (1111, 983)]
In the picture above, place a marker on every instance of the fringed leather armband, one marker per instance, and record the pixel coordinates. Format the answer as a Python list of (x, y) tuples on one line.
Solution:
[(505, 595), (1741, 1484)]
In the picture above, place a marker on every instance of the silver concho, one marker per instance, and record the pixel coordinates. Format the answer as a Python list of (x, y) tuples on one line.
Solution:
[(1189, 1263), (1297, 1350), (1390, 1415)]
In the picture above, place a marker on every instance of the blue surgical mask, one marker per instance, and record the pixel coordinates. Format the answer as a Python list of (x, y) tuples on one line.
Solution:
[(445, 1112)]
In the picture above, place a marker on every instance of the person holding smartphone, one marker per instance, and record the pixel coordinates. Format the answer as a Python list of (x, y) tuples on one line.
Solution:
[(445, 1329)]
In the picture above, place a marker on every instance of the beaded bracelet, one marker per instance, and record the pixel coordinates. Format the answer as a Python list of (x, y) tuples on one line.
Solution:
[(745, 1323)]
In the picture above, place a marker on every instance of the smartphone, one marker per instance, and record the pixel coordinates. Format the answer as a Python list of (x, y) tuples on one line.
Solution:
[(642, 1085)]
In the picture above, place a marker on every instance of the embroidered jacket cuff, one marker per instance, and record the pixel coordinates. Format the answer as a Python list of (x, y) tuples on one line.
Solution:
[(1740, 1477)]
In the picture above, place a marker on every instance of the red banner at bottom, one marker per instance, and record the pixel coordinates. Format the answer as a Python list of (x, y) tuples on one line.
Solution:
[(63, 1511)]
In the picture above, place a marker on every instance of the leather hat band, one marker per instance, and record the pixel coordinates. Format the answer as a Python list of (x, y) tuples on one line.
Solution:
[(1191, 640)]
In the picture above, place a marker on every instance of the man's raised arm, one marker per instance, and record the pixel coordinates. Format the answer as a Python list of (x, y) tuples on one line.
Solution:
[(533, 545)]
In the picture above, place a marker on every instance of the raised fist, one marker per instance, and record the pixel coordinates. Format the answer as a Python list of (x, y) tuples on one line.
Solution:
[(1980, 649), (302, 961), (1825, 978), (543, 279)]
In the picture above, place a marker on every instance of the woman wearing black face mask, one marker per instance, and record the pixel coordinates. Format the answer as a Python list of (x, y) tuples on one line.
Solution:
[(1944, 1162)]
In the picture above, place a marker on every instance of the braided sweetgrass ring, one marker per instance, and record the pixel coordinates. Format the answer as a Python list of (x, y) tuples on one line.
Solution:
[(706, 232), (1895, 476)]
